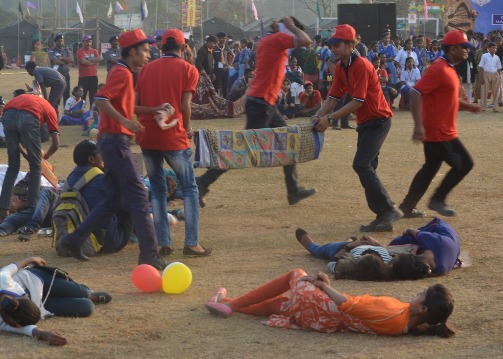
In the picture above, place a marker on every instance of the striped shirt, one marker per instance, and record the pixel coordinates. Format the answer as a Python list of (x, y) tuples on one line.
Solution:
[(381, 251)]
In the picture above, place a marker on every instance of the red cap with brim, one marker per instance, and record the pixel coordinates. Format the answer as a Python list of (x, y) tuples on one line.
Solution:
[(134, 37), (457, 37), (175, 34), (342, 33)]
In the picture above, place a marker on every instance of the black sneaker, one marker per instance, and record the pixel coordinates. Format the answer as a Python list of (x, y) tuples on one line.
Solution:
[(441, 208), (390, 216), (377, 226), (300, 194), (156, 262), (25, 233)]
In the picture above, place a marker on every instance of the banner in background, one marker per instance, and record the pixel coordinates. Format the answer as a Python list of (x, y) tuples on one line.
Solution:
[(191, 13)]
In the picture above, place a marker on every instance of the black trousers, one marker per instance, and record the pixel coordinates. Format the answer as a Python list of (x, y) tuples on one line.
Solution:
[(455, 155), (221, 81), (90, 84)]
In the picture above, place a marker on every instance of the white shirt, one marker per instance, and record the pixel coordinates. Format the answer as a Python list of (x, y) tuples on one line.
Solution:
[(402, 56), (490, 63), (18, 282), (410, 77)]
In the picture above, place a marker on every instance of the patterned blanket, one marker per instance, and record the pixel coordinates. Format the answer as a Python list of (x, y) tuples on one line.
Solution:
[(266, 147)]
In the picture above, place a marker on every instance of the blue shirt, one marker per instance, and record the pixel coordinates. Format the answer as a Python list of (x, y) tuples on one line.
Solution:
[(94, 191), (438, 237)]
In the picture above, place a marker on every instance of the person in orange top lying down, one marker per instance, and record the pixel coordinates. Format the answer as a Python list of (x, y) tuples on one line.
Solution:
[(314, 305)]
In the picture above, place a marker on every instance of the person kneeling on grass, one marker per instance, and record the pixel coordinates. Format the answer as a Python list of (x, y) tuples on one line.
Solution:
[(28, 293), (314, 305)]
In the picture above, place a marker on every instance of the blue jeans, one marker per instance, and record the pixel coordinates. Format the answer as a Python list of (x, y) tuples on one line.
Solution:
[(181, 163), (37, 217), (371, 136), (66, 298), (123, 187), (326, 251), (21, 127)]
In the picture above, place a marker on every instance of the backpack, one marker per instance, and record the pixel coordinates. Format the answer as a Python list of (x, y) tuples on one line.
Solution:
[(70, 211)]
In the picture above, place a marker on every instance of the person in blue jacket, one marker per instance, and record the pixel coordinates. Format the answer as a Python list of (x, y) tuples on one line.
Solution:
[(438, 252)]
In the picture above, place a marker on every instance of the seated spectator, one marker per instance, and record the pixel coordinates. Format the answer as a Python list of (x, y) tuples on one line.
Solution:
[(310, 100), (295, 75), (92, 120), (409, 76), (286, 101), (74, 108), (240, 86), (115, 232), (405, 53), (389, 92)]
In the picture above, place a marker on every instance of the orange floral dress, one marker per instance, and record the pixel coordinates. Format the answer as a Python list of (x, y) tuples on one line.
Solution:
[(311, 308)]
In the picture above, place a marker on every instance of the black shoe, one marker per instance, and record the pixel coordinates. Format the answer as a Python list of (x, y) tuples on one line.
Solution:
[(156, 262), (414, 213), (299, 233), (187, 251), (377, 226), (347, 127), (100, 297), (166, 251), (74, 249), (25, 233), (390, 216), (441, 208), (300, 194), (203, 190)]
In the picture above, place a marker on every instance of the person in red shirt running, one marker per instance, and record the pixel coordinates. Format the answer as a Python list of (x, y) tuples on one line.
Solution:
[(357, 77), (434, 107), (123, 186), (20, 128), (171, 144), (87, 60), (260, 108)]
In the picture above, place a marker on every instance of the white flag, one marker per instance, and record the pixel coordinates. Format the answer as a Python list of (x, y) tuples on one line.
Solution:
[(79, 12), (145, 10), (109, 13)]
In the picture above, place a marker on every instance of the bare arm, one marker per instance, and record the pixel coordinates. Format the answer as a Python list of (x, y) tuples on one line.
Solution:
[(53, 338), (54, 145), (321, 281), (31, 260), (43, 89), (132, 125), (302, 38), (187, 113), (322, 123)]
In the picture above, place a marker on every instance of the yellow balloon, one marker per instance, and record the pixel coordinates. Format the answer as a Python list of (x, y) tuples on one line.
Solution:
[(176, 278)]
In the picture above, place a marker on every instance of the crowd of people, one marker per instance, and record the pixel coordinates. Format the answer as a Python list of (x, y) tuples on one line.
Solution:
[(342, 77)]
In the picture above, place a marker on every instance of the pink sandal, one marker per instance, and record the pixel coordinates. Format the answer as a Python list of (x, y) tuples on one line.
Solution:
[(219, 309), (214, 298)]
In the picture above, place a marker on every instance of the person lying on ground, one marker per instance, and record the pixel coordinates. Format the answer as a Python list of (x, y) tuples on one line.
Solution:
[(314, 305), (29, 292)]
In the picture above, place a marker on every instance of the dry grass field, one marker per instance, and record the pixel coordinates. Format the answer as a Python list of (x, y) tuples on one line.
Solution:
[(249, 224)]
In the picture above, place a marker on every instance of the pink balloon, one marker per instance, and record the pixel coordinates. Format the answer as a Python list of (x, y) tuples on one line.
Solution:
[(146, 278)]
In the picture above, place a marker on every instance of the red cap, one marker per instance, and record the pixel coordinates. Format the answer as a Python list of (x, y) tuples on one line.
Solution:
[(133, 37), (173, 34), (308, 83), (457, 37), (341, 33)]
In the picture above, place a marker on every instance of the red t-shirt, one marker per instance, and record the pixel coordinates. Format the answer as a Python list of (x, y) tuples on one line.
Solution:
[(38, 107), (439, 88), (164, 81), (119, 90), (271, 61), (363, 85), (313, 101), (86, 70)]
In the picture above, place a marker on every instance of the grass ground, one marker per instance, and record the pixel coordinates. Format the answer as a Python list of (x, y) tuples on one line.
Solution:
[(250, 226)]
